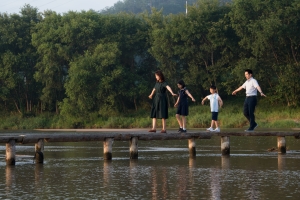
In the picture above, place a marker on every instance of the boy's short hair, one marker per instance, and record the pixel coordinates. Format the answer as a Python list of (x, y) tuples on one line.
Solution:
[(213, 87), (249, 71)]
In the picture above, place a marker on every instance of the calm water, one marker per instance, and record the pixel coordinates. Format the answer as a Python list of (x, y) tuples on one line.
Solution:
[(163, 171)]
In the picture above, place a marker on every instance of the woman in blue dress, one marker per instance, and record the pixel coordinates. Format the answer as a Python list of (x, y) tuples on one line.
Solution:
[(182, 106), (159, 108)]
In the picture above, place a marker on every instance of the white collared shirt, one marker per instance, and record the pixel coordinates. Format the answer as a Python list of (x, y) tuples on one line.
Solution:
[(250, 85)]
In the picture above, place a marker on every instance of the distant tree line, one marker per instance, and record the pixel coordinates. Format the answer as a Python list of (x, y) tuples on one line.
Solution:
[(82, 63), (139, 6)]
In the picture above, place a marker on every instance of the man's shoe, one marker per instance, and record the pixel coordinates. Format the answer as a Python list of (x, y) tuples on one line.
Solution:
[(180, 130), (255, 126), (210, 129), (163, 131), (183, 131), (152, 130), (249, 130)]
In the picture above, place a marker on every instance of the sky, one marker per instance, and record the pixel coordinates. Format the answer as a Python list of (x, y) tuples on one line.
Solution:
[(59, 6)]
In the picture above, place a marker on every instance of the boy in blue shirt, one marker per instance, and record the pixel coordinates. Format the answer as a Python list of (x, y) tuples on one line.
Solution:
[(215, 101)]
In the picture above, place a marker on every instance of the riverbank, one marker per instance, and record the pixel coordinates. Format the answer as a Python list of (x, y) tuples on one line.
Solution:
[(230, 116)]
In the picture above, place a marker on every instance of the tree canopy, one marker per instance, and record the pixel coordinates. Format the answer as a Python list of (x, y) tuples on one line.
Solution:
[(79, 63)]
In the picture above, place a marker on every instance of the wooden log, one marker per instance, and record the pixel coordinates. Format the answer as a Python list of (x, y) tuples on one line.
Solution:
[(7, 138), (281, 144), (257, 133), (134, 148), (107, 148), (192, 147), (39, 151), (11, 152), (123, 136), (225, 145)]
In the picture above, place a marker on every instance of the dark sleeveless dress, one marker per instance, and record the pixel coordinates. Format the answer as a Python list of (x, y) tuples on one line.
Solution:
[(159, 108), (183, 108)]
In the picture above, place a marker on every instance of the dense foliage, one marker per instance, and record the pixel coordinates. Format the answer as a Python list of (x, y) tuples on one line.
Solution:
[(82, 64)]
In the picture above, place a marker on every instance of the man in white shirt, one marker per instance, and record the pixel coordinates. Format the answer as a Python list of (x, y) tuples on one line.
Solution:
[(251, 87)]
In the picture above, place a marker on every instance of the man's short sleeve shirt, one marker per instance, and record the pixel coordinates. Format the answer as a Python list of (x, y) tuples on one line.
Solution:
[(250, 86)]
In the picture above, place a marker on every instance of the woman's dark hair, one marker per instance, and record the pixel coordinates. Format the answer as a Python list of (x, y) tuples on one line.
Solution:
[(181, 82), (213, 87), (161, 75)]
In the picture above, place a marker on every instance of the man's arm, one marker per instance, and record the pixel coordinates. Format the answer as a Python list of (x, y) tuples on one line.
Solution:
[(260, 91), (237, 90)]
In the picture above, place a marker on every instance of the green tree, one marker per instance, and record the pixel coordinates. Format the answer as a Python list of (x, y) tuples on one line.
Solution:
[(18, 58), (270, 45)]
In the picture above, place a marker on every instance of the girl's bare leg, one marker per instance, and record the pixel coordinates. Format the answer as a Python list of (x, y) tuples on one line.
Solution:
[(179, 121), (183, 122)]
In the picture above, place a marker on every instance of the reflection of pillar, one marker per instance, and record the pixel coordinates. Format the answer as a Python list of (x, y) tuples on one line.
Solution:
[(183, 182), (191, 181), (107, 148), (281, 162), (254, 189), (281, 144), (133, 171), (165, 183), (10, 177), (225, 162), (215, 185), (11, 152), (192, 162), (107, 168), (38, 174), (154, 184)]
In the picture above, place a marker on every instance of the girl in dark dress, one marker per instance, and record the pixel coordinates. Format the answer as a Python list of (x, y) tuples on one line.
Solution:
[(182, 105), (159, 108)]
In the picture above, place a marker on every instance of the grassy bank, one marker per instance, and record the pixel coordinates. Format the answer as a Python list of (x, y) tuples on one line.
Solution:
[(230, 116)]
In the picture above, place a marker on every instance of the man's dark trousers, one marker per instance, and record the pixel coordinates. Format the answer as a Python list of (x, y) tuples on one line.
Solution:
[(249, 108)]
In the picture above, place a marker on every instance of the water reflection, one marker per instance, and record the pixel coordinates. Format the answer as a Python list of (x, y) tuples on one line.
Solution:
[(39, 170), (215, 186), (192, 162), (154, 184), (79, 172), (107, 172), (281, 162), (10, 179), (253, 186)]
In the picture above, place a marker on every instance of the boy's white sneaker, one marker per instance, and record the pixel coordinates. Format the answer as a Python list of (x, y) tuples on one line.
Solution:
[(210, 129), (217, 130)]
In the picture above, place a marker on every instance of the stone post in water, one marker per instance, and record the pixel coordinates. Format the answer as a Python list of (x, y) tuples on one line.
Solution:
[(192, 147), (281, 144), (39, 148), (11, 152), (134, 148), (107, 148), (225, 145)]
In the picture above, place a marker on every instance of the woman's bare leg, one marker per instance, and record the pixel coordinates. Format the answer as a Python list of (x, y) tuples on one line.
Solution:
[(163, 124), (154, 123)]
